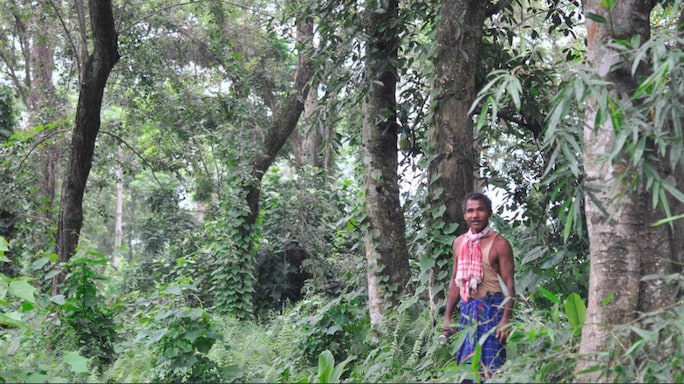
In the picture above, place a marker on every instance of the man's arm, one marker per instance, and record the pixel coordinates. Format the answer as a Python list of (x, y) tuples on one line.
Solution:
[(507, 271), (453, 294)]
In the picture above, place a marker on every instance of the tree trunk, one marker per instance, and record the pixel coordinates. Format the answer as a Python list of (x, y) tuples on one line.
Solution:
[(386, 249), (623, 245), (452, 142), (306, 144), (43, 105), (87, 125)]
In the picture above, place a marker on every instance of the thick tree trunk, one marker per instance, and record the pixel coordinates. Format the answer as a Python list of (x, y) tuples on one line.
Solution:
[(453, 168), (623, 245), (87, 125), (386, 248), (306, 144)]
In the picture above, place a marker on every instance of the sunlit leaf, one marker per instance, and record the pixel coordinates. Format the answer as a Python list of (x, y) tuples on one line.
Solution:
[(575, 310), (667, 220)]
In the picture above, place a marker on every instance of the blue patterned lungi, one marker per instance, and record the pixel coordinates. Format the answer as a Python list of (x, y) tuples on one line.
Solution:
[(479, 317)]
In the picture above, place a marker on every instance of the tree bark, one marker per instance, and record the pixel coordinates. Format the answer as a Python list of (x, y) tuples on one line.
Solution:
[(386, 249), (87, 125), (306, 145), (623, 245), (455, 160)]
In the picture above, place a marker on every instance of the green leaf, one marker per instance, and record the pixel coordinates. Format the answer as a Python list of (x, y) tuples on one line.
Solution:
[(174, 290), (595, 17), (23, 290), (232, 373), (40, 263), (426, 263), (13, 316), (634, 346), (4, 245), (51, 274), (204, 344), (514, 89), (27, 306), (668, 220), (477, 356), (156, 336), (533, 254), (482, 118), (576, 311), (553, 298), (326, 364), (608, 298), (339, 369), (78, 363), (4, 287), (567, 230), (552, 261), (609, 4), (676, 193)]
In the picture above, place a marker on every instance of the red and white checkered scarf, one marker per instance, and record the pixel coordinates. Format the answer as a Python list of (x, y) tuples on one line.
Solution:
[(469, 271)]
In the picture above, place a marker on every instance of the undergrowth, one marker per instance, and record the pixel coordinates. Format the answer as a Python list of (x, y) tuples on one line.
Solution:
[(168, 336)]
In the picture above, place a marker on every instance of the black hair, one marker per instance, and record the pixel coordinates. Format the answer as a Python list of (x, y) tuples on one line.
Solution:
[(477, 196)]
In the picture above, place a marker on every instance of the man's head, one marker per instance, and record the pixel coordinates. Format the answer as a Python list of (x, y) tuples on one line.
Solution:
[(477, 208)]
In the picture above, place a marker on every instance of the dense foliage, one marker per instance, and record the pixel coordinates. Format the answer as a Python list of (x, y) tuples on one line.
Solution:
[(198, 295)]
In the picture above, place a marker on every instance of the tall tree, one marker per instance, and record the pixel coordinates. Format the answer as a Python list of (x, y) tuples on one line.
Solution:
[(454, 162), (93, 80), (385, 242), (31, 46), (457, 64), (624, 246)]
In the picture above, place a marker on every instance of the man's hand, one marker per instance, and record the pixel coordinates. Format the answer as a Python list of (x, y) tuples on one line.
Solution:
[(447, 327), (502, 330)]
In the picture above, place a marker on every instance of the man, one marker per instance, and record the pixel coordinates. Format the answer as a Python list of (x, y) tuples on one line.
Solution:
[(483, 283)]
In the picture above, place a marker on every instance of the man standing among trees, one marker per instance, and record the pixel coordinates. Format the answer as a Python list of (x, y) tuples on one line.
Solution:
[(483, 281)]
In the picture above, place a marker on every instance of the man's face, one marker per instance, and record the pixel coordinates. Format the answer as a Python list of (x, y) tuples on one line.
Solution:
[(476, 215)]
